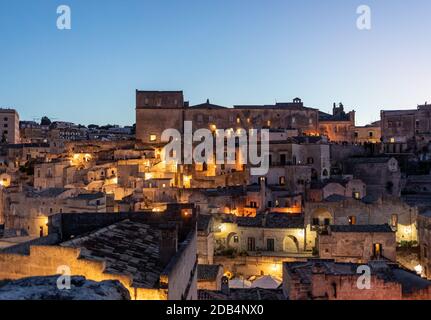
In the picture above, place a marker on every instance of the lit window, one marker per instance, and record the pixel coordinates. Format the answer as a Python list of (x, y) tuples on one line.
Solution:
[(153, 137)]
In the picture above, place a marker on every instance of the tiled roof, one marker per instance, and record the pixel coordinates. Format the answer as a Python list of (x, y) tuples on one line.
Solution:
[(283, 220), (228, 191), (272, 220), (207, 272), (90, 196), (46, 193), (335, 198), (361, 228), (127, 247), (208, 105)]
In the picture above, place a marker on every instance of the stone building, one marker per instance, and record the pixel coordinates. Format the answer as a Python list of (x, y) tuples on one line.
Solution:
[(406, 130), (371, 133), (357, 243), (329, 280), (312, 152), (52, 174), (28, 211), (9, 126), (338, 210), (172, 111), (349, 188), (338, 127), (267, 234), (382, 175)]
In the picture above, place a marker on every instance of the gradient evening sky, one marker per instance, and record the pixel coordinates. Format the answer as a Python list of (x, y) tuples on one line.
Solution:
[(230, 51)]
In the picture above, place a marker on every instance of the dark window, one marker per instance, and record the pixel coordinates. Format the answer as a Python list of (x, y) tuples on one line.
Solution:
[(282, 181), (251, 244), (282, 159), (310, 160), (235, 239), (326, 222), (270, 244), (315, 221)]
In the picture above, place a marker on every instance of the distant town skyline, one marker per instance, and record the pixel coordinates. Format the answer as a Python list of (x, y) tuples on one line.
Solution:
[(230, 52)]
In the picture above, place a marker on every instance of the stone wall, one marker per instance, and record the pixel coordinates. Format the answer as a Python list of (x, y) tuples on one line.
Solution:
[(356, 247)]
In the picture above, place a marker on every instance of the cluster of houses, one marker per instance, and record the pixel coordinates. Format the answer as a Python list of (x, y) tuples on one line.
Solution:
[(336, 197)]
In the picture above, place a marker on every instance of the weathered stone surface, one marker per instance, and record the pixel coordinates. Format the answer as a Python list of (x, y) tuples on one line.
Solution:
[(45, 288)]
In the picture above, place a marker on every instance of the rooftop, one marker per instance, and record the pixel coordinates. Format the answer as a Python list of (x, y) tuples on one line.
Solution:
[(46, 193), (272, 220), (208, 272), (127, 247), (362, 228)]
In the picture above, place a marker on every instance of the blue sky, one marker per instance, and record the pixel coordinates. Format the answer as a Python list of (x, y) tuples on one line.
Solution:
[(230, 51)]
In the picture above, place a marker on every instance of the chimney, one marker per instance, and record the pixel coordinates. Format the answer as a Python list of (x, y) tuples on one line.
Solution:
[(168, 245), (225, 286)]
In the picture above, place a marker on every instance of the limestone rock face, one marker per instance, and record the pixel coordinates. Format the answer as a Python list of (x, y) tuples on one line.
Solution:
[(45, 288)]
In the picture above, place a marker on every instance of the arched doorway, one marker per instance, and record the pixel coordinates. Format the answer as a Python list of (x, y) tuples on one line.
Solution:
[(290, 244)]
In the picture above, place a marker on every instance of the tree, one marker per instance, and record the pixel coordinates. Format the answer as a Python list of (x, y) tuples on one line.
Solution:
[(45, 121)]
